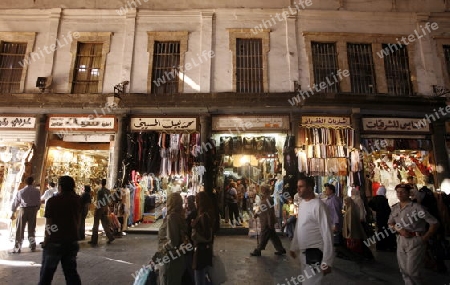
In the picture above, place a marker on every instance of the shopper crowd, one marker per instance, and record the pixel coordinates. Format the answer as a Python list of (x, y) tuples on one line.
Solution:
[(319, 228)]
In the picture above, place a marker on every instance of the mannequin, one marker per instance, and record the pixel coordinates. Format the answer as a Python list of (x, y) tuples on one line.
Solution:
[(277, 197)]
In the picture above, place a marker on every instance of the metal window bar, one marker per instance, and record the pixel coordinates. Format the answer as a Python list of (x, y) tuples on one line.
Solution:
[(362, 68), (447, 58), (165, 70), (249, 66), (12, 57), (396, 64), (87, 70), (325, 65)]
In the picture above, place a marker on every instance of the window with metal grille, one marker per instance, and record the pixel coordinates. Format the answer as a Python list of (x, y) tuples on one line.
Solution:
[(11, 66), (361, 67), (396, 65), (447, 58), (249, 66), (165, 70), (87, 71), (325, 65)]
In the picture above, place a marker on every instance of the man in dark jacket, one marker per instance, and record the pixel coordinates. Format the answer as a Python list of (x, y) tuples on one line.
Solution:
[(267, 220), (62, 214), (101, 214)]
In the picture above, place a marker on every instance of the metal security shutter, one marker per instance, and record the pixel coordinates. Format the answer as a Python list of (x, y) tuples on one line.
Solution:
[(17, 136)]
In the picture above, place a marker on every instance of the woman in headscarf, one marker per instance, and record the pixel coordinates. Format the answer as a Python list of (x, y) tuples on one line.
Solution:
[(361, 211), (379, 204), (352, 229), (172, 234)]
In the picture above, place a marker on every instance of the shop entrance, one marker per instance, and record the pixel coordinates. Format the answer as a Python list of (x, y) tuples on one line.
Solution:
[(248, 160), (397, 160), (86, 164), (13, 161)]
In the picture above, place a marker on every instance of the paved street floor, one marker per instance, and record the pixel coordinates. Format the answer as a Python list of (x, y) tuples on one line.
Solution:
[(115, 263)]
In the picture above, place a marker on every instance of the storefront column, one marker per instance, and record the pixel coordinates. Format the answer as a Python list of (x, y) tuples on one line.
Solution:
[(295, 121), (205, 134), (440, 152), (205, 128), (116, 153), (37, 162), (356, 125)]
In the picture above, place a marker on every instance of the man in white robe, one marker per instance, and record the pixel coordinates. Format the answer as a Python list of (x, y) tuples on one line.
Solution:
[(312, 231)]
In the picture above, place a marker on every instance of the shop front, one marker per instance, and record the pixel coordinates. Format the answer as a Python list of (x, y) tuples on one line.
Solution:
[(325, 149), (250, 152), (163, 155), (17, 137), (395, 149), (80, 146)]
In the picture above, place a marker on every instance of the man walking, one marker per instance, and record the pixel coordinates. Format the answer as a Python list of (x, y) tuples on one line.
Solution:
[(267, 219), (50, 192), (334, 206), (101, 214), (28, 201), (409, 220), (313, 238), (62, 214)]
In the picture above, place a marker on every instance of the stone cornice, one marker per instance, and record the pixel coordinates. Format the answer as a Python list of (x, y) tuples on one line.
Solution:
[(225, 101)]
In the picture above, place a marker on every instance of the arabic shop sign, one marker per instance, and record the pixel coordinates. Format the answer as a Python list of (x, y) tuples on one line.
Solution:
[(394, 125), (324, 121), (249, 123), (168, 124), (78, 123), (17, 122)]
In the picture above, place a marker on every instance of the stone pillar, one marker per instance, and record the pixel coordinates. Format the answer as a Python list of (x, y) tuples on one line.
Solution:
[(53, 28), (38, 160), (440, 153), (207, 151), (206, 41), (292, 51), (356, 125), (205, 128), (116, 151), (128, 46), (295, 124)]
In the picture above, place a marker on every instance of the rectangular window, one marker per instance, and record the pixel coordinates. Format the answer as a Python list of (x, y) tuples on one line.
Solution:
[(87, 68), (249, 66), (166, 62), (396, 64), (447, 59), (11, 66), (362, 68), (325, 65)]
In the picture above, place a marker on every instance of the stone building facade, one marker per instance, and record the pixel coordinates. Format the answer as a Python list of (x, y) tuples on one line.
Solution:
[(293, 43)]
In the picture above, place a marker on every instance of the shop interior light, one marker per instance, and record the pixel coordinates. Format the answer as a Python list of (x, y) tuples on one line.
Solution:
[(6, 155), (245, 159)]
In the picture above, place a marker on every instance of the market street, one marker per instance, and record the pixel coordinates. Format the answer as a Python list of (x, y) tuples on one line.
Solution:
[(114, 263)]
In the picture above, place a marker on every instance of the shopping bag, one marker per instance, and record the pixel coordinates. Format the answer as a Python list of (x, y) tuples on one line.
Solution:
[(141, 277), (12, 230)]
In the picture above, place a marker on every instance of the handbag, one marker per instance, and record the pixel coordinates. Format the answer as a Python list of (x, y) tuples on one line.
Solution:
[(202, 256), (337, 238), (313, 256)]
